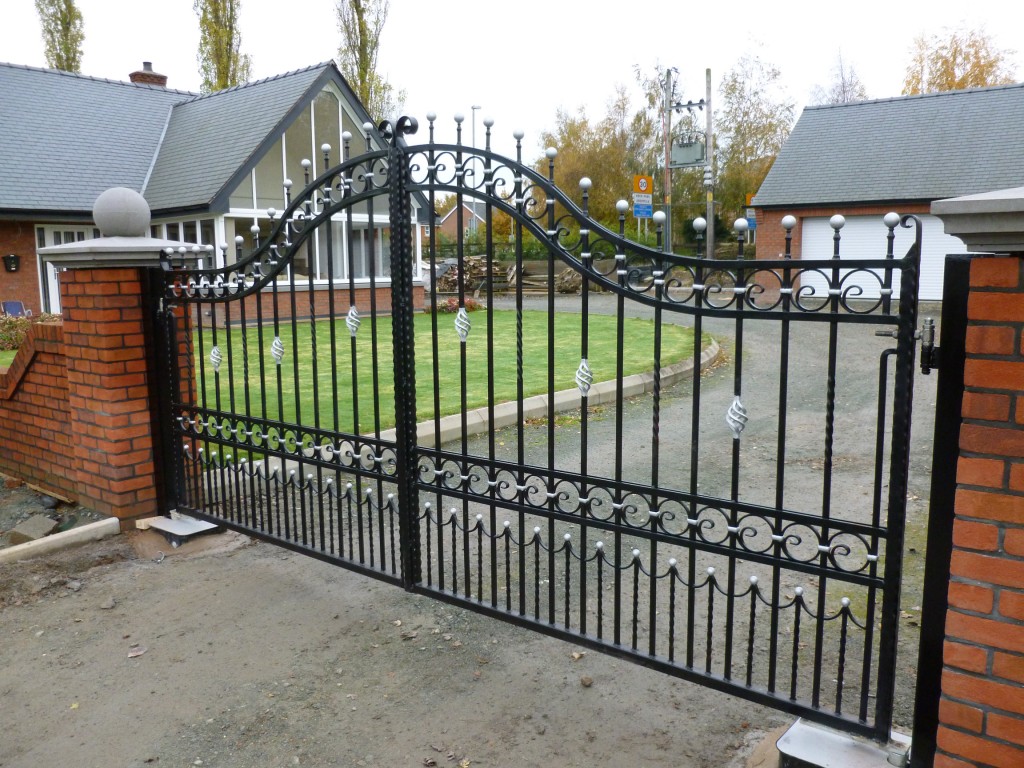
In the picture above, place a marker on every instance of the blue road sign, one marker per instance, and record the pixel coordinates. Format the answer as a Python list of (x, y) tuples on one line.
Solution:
[(643, 211)]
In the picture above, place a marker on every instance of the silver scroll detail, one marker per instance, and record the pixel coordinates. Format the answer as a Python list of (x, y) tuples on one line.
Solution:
[(462, 324), (736, 417), (352, 321), (584, 377), (216, 358), (277, 350)]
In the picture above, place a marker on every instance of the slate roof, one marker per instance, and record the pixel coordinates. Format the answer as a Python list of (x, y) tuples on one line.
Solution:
[(914, 148), (65, 138), (210, 139)]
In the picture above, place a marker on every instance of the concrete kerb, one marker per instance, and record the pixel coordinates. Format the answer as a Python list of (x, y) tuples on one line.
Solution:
[(44, 546), (506, 414)]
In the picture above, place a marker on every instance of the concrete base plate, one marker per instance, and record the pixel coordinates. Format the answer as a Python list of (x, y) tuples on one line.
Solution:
[(180, 529), (808, 745)]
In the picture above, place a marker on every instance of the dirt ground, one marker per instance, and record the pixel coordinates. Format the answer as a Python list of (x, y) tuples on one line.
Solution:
[(127, 652)]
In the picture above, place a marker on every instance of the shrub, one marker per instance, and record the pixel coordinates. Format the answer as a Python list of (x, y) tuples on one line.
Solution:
[(451, 306), (14, 329)]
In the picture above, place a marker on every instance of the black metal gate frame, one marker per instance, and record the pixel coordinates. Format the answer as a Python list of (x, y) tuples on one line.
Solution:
[(641, 591)]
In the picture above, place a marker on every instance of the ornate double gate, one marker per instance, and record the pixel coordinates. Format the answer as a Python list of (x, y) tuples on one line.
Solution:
[(764, 562)]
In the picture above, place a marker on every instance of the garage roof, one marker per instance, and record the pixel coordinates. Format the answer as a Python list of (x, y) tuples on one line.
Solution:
[(913, 148)]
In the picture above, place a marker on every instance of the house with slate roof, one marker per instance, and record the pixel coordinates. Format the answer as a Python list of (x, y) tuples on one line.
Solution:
[(210, 165), (867, 158)]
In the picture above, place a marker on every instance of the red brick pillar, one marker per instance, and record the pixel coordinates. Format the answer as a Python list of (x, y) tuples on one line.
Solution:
[(981, 711), (111, 426), (110, 360)]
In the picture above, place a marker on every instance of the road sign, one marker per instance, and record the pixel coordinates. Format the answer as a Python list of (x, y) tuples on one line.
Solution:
[(641, 199), (643, 211), (643, 185)]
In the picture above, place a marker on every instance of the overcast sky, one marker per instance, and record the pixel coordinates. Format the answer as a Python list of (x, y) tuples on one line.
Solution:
[(521, 61)]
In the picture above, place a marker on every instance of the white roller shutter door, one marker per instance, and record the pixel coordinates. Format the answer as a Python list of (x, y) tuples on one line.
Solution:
[(864, 237)]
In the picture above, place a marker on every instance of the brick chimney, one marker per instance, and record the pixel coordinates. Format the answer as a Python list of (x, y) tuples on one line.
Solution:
[(146, 76)]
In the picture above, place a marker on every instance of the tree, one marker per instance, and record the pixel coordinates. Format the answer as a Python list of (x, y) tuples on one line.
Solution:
[(221, 63), (846, 86), (608, 152), (63, 36), (964, 59), (361, 23), (754, 119)]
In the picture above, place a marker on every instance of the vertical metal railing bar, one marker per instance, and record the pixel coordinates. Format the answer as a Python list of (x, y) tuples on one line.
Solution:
[(520, 415), (619, 503), (740, 297), (841, 665), (355, 529), (798, 606), (332, 308), (898, 468), (751, 630), (492, 479), (876, 517), (659, 295), (583, 381), (293, 302), (243, 323), (826, 481), (435, 373), (699, 297), (377, 242), (201, 400), (552, 244), (780, 453), (460, 162)]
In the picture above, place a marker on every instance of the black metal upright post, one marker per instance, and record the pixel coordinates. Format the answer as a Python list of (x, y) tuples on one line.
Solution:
[(903, 398), (945, 452), (160, 326), (403, 337)]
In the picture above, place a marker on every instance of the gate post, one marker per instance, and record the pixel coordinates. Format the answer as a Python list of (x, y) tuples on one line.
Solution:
[(981, 700), (403, 338), (113, 428)]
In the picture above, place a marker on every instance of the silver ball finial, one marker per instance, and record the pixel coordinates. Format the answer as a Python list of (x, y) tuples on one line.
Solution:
[(837, 222), (550, 153), (659, 217), (788, 222), (891, 219), (586, 184), (121, 212), (700, 224), (740, 225), (622, 206)]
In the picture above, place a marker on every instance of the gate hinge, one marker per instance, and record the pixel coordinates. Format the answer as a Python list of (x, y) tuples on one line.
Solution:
[(929, 352)]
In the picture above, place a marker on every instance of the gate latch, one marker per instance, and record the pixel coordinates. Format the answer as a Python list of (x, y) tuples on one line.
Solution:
[(929, 352)]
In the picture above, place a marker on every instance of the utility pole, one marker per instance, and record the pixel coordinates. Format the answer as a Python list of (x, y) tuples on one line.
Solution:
[(666, 124), (709, 176)]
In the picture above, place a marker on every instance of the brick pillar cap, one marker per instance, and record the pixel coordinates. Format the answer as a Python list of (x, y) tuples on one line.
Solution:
[(990, 222)]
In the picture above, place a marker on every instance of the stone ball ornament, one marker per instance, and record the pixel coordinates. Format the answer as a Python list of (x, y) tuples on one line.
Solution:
[(121, 212)]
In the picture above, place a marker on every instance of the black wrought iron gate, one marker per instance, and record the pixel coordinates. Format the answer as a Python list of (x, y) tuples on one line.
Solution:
[(495, 460)]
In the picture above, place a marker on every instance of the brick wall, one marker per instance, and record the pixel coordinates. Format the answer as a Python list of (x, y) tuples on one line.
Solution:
[(19, 237), (981, 712), (34, 413), (321, 304)]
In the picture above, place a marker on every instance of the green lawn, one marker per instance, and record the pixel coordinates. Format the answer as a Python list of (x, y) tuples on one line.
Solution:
[(7, 356), (327, 401)]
